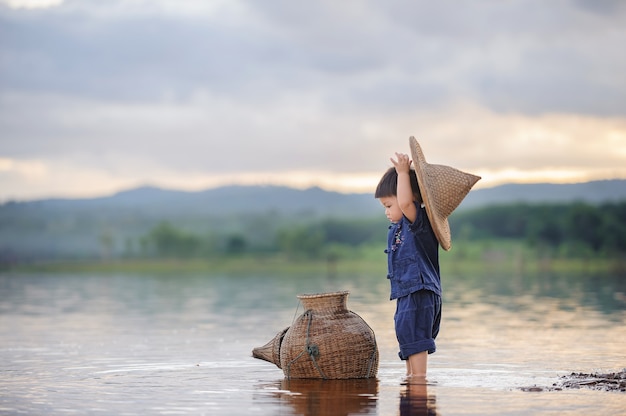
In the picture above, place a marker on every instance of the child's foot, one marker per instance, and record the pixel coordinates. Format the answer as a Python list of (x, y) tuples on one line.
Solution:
[(416, 379)]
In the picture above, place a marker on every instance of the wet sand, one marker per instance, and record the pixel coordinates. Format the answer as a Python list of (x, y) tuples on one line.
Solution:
[(595, 381)]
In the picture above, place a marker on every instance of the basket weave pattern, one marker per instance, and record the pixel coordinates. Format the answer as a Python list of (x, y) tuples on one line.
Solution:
[(327, 341), (271, 351)]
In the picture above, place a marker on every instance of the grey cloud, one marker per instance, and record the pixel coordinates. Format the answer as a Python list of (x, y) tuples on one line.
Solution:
[(602, 7), (344, 62), (383, 56), (135, 59)]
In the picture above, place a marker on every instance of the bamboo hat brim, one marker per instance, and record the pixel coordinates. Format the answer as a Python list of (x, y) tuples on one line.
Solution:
[(442, 188)]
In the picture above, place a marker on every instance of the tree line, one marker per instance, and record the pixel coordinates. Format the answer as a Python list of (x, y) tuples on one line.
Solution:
[(572, 229), (316, 239)]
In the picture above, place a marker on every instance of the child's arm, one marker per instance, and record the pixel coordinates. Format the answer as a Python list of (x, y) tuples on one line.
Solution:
[(404, 192)]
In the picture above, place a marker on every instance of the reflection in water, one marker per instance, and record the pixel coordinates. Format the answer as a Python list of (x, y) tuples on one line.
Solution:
[(415, 401), (605, 292), (329, 397), (135, 344)]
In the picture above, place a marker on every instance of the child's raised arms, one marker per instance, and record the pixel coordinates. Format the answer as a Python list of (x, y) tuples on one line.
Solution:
[(405, 194)]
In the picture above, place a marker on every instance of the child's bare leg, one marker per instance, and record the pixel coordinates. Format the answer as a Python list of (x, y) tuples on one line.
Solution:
[(417, 364)]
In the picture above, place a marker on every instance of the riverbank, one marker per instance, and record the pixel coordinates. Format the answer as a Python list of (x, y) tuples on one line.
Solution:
[(279, 264), (595, 381)]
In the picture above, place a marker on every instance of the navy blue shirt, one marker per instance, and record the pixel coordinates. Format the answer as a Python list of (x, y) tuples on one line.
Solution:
[(413, 256)]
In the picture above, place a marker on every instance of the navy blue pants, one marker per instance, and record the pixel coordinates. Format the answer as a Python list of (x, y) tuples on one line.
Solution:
[(417, 321)]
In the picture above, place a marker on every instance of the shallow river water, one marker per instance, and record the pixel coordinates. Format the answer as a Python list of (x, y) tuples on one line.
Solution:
[(177, 345)]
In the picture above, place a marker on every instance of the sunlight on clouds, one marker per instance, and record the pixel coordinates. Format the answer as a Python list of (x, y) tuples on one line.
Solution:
[(539, 136), (34, 179), (475, 138), (57, 178), (191, 144), (512, 147), (364, 182), (29, 169), (330, 181), (32, 4), (616, 140), (225, 10), (498, 177), (193, 7)]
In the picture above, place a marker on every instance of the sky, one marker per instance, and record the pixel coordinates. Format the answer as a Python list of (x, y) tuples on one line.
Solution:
[(98, 96)]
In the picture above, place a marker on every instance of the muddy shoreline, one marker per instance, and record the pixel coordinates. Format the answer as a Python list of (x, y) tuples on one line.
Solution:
[(595, 381)]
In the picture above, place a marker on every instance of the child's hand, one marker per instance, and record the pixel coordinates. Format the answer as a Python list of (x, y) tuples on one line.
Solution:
[(403, 164)]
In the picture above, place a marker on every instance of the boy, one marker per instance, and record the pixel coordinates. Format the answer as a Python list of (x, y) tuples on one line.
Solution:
[(418, 202)]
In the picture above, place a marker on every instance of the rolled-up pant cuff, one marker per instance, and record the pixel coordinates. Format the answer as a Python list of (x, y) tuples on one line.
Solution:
[(416, 347)]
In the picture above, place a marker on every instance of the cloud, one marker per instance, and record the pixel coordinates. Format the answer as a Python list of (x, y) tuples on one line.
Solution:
[(31, 4), (216, 141), (133, 91), (513, 58)]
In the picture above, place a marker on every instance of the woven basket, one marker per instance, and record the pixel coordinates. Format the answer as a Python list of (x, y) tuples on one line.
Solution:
[(271, 351), (327, 341)]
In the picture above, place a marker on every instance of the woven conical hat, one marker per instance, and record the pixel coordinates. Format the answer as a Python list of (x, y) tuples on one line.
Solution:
[(442, 188)]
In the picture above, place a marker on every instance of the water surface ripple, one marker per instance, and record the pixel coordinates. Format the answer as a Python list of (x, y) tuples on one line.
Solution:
[(178, 345)]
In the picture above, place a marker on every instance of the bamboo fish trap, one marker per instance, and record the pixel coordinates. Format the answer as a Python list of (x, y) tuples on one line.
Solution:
[(326, 341)]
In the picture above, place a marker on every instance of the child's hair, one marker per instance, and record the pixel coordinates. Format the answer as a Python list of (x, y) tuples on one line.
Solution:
[(388, 185)]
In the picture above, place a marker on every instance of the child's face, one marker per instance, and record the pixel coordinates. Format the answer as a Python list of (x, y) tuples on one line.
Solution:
[(392, 209)]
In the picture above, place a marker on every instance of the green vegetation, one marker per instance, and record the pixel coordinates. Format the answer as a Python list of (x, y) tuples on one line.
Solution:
[(466, 257), (566, 230), (556, 231), (520, 237), (322, 239)]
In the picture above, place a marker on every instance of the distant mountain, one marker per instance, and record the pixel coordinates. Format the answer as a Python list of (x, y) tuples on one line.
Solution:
[(235, 200), (224, 201), (116, 224), (591, 192)]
